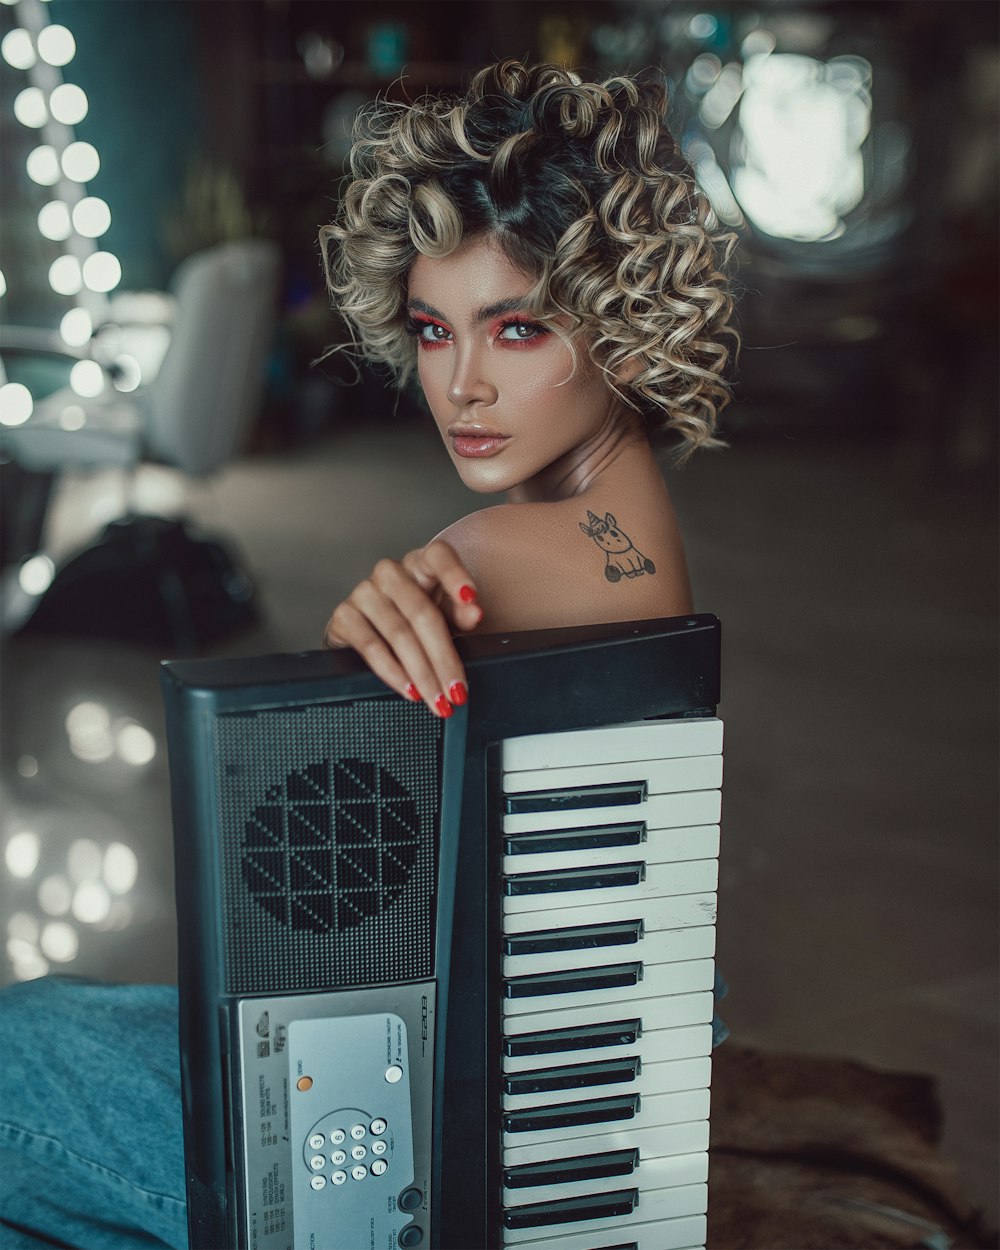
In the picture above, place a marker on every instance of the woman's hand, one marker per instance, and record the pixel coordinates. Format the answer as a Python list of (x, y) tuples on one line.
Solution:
[(400, 621)]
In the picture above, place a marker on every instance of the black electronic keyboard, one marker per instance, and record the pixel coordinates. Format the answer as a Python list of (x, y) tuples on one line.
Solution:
[(448, 983)]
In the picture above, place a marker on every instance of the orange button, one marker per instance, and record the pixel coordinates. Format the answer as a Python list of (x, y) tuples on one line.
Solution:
[(304, 1083)]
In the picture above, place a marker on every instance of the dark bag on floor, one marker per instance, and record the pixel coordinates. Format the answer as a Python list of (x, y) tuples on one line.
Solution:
[(148, 580)]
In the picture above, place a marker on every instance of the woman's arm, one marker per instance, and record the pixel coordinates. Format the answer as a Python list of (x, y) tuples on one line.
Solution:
[(512, 567)]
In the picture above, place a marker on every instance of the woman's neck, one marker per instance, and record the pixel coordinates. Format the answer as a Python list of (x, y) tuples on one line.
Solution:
[(621, 440)]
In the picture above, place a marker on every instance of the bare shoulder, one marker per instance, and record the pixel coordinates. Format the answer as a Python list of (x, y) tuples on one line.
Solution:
[(548, 565)]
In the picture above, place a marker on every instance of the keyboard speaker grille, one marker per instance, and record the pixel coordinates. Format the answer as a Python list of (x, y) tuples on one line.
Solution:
[(327, 819)]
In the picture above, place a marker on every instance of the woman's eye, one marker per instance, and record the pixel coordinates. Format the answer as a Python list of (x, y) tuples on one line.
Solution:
[(518, 331), (429, 332)]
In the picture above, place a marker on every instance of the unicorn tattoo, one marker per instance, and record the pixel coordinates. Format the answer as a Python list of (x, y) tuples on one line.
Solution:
[(622, 559)]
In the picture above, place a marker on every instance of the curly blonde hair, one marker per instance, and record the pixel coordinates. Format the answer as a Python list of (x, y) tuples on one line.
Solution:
[(584, 188)]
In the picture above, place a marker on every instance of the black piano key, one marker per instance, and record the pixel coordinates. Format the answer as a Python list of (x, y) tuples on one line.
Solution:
[(614, 794), (593, 838), (580, 1168), (572, 1114), (573, 1076), (607, 877), (621, 1245), (567, 1210), (585, 1037), (608, 977), (582, 937)]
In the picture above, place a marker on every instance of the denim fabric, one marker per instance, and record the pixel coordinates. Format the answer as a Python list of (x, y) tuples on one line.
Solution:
[(91, 1150), (91, 1143)]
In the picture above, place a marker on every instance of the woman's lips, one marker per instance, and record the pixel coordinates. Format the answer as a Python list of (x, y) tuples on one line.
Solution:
[(472, 445)]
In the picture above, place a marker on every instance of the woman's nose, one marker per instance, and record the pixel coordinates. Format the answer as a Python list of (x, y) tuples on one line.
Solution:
[(470, 383)]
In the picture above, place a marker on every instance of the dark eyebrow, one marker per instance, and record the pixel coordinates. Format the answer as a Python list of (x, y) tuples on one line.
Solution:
[(486, 313)]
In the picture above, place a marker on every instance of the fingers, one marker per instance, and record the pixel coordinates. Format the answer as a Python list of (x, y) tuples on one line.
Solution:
[(414, 626), (437, 567), (348, 627), (398, 621)]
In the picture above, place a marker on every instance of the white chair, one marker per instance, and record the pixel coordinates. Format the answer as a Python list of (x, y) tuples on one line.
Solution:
[(194, 415)]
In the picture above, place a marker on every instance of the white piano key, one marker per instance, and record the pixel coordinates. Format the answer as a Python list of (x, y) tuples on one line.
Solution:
[(654, 1204), (660, 846), (662, 776), (687, 1042), (664, 911), (654, 1078), (652, 1141), (686, 1232), (673, 1011), (659, 1173), (659, 811), (685, 876), (685, 977), (657, 1110), (635, 740), (666, 946)]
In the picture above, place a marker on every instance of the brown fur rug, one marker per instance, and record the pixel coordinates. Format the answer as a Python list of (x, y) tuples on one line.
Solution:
[(810, 1153)]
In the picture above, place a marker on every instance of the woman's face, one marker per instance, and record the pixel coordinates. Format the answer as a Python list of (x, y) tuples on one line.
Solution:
[(498, 383)]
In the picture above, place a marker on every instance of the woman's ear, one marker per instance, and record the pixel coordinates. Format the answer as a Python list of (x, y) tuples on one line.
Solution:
[(628, 372)]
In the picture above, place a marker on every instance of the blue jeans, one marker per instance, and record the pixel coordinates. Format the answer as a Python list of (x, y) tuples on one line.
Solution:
[(91, 1150), (91, 1145)]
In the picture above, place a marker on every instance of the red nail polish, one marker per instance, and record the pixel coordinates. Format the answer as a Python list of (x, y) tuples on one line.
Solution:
[(458, 694), (442, 706), (412, 693), (467, 594)]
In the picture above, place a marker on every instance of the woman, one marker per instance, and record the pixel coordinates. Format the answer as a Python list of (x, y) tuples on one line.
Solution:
[(538, 249)]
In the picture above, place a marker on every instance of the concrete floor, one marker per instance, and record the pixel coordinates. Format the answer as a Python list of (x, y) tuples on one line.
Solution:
[(858, 911)]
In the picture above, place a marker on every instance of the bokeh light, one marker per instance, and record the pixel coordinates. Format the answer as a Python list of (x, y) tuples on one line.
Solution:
[(91, 217), (55, 895), (29, 108), (91, 902), (68, 104), (22, 852), (80, 162), (56, 45), (102, 271), (72, 417), (65, 277), (86, 379), (121, 868), (59, 941), (16, 404), (35, 575), (17, 49), (43, 165), (76, 327), (54, 221)]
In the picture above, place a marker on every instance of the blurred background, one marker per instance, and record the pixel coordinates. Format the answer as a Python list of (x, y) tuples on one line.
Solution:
[(181, 477)]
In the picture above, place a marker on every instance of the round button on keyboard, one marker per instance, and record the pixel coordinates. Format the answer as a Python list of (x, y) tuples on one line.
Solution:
[(337, 1158), (337, 1136), (318, 1183), (317, 1163), (378, 1167), (317, 1141), (338, 1178), (360, 1172), (378, 1127), (379, 1147), (358, 1131)]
